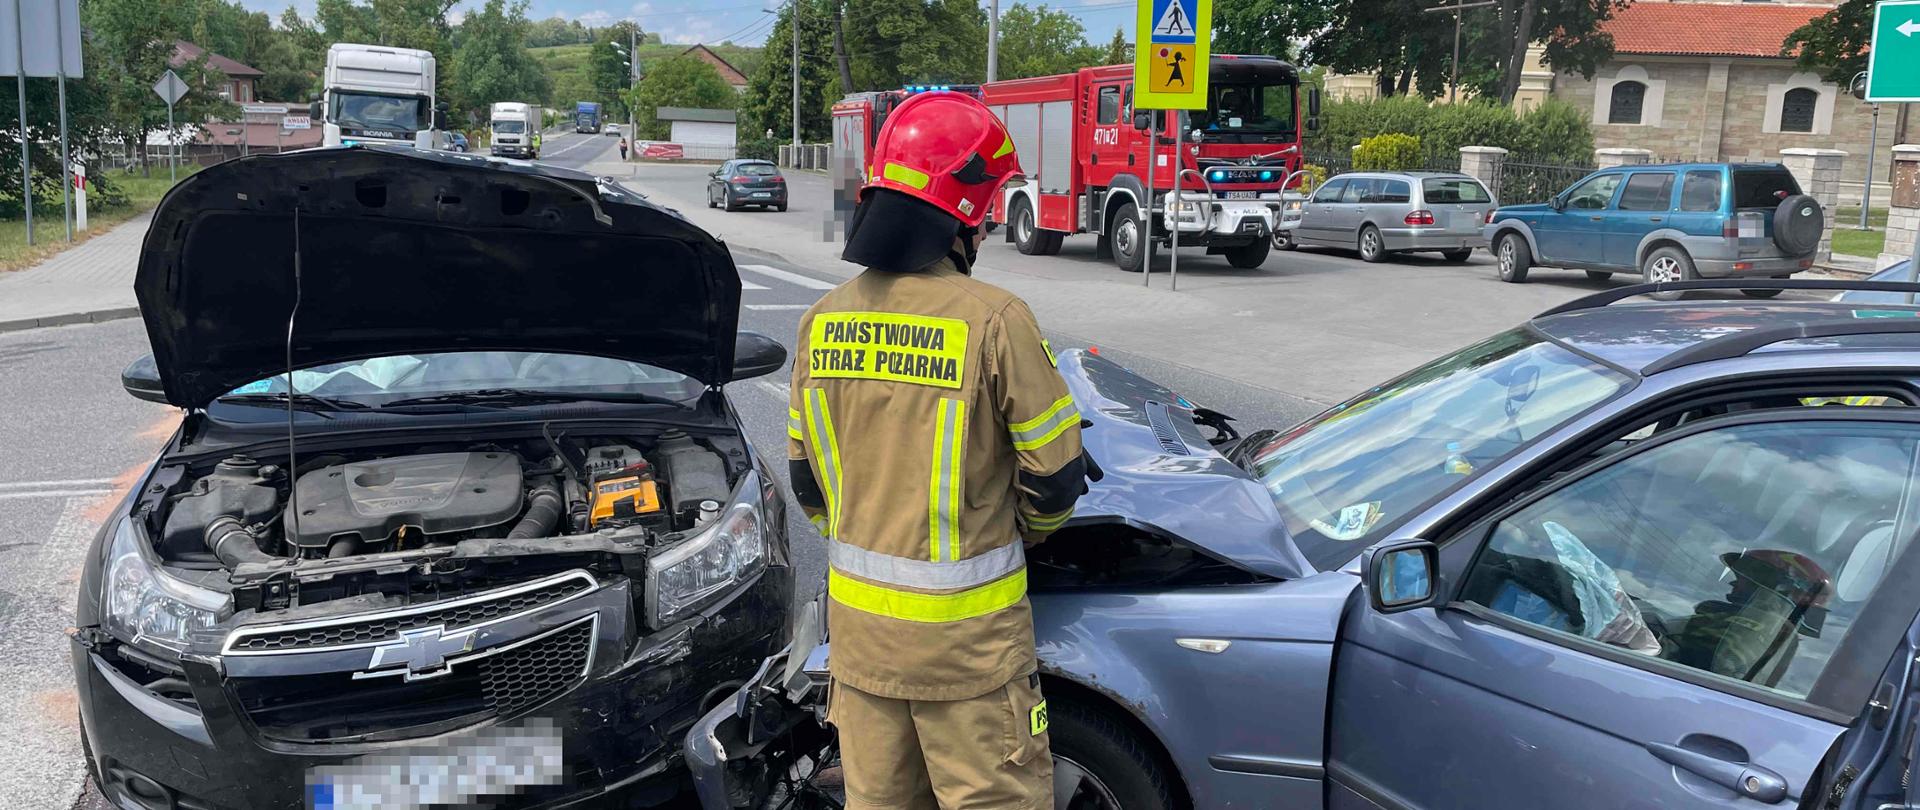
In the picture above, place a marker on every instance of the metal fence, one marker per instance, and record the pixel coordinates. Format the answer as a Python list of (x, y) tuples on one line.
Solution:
[(1431, 160), (1521, 182)]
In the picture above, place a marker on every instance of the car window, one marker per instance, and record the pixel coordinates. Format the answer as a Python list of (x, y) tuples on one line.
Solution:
[(1648, 191), (1450, 190), (1331, 191), (1359, 189), (1595, 193), (1109, 105), (1345, 478), (1391, 191), (1746, 552), (759, 169), (1700, 191), (1762, 187)]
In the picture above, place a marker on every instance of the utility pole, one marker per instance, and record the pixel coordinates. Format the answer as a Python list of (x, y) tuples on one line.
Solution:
[(793, 33), (1458, 10), (633, 81), (993, 39)]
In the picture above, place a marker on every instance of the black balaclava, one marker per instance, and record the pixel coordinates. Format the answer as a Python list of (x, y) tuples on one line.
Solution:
[(898, 233)]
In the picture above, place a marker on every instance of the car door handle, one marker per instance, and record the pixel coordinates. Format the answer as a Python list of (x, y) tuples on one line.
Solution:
[(1749, 780), (1598, 218), (1653, 219)]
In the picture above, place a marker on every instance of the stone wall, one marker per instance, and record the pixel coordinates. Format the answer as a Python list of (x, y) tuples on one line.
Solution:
[(1700, 121)]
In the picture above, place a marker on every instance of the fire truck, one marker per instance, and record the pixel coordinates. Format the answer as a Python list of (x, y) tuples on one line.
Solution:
[(1085, 153)]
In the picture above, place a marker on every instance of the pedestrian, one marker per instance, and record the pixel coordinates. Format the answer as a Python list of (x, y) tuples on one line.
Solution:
[(623, 147), (931, 440)]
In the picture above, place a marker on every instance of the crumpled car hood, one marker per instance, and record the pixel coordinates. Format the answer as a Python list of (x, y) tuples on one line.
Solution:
[(405, 251), (1161, 474)]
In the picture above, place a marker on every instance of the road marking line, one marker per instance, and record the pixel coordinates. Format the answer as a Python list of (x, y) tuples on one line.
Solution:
[(791, 278), (777, 389), (55, 493), (69, 482), (583, 142), (748, 285), (775, 307)]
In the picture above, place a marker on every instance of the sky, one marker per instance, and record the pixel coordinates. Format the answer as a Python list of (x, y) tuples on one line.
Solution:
[(715, 21)]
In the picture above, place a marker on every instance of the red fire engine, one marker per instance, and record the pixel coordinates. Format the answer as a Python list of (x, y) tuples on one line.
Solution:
[(1085, 157)]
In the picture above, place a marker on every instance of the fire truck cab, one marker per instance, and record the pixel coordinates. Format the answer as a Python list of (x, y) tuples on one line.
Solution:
[(1085, 153)]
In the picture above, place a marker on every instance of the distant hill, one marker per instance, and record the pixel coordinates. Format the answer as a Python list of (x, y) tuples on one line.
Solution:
[(566, 65)]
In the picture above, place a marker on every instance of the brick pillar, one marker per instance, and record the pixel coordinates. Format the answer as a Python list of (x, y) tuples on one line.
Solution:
[(1620, 156), (1818, 171), (1903, 218), (1484, 163)]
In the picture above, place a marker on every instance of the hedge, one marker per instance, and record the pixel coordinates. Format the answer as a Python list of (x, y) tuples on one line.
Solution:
[(1555, 132), (1392, 152)]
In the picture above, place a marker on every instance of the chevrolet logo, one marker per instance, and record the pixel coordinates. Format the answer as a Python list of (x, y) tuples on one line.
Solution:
[(422, 652)]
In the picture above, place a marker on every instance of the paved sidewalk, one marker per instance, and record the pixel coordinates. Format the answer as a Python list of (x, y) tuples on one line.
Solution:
[(93, 281)]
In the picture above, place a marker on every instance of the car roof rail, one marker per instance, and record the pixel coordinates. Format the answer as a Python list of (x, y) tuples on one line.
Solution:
[(1601, 299), (1739, 344)]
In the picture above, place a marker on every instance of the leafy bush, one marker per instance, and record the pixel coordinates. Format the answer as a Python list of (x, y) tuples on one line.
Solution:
[(1447, 127), (1556, 132), (1392, 152), (758, 148), (1316, 176)]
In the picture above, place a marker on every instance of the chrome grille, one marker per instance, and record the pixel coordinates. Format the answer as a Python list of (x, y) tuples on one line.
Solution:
[(374, 628)]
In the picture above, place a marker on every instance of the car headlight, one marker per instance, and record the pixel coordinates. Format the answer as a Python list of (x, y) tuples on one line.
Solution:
[(149, 608), (731, 549)]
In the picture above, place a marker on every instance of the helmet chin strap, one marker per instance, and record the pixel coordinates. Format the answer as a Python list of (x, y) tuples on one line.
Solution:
[(969, 252)]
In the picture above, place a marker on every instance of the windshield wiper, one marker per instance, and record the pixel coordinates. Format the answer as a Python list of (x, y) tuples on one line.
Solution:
[(306, 402), (526, 396)]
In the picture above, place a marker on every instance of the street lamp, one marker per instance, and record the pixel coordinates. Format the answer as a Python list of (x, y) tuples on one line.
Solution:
[(633, 81), (793, 33)]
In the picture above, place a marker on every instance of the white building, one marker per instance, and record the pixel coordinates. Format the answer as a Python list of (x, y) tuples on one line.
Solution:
[(705, 134)]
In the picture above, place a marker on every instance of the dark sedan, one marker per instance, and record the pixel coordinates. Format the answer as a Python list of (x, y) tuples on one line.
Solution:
[(739, 183)]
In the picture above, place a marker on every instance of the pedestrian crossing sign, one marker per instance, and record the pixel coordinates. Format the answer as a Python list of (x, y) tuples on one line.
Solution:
[(1171, 54)]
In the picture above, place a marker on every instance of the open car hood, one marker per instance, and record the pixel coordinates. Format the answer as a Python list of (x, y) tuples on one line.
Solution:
[(1162, 476), (405, 251)]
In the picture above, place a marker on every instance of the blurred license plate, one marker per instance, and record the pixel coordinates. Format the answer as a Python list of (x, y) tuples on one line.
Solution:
[(1242, 195), (459, 770), (763, 194)]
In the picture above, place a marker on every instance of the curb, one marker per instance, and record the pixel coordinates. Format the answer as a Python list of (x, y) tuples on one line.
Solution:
[(70, 318)]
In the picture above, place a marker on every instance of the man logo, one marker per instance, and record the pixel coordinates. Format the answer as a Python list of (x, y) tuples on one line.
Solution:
[(422, 652)]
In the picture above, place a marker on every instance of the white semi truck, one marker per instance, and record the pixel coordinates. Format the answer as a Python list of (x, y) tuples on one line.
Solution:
[(516, 129), (376, 94)]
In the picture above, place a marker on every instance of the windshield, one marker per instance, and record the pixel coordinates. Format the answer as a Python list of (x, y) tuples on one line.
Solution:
[(378, 111), (383, 379), (509, 127), (1246, 109), (1345, 478)]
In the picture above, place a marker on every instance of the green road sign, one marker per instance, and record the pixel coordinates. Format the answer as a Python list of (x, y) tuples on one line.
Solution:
[(1893, 65)]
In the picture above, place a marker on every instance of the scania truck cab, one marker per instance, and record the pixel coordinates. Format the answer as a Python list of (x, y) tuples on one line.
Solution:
[(376, 94)]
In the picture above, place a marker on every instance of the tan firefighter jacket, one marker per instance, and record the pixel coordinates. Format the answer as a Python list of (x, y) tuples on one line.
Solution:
[(927, 408)]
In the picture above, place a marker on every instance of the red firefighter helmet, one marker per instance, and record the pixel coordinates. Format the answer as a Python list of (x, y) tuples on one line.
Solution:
[(946, 149)]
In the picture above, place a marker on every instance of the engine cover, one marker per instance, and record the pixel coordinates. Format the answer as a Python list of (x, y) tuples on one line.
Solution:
[(433, 494)]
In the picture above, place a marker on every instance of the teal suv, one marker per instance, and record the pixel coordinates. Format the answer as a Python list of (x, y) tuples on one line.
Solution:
[(1667, 223)]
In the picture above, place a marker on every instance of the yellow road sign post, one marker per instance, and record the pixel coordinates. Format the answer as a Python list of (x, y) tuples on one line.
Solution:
[(1170, 54)]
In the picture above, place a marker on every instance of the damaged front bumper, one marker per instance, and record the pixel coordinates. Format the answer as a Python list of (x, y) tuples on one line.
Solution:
[(294, 730), (749, 745)]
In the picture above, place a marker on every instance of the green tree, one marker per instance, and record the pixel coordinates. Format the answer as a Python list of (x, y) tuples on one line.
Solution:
[(1410, 51), (557, 31), (768, 101), (1039, 41), (679, 82), (134, 41), (1119, 50), (492, 63), (1835, 43), (1263, 26), (607, 70)]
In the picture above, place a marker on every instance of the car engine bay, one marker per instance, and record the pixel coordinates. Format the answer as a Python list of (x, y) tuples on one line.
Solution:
[(447, 507)]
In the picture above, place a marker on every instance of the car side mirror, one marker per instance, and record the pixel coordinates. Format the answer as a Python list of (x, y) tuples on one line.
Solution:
[(440, 107), (756, 355), (1401, 576), (1313, 105), (1143, 120), (315, 109), (1558, 203), (1313, 124), (142, 380)]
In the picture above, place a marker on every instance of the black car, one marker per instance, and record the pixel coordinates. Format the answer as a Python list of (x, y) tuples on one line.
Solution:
[(739, 183), (448, 521)]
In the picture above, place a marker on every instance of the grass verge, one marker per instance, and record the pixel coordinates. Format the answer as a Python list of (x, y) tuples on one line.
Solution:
[(1858, 243), (50, 234)]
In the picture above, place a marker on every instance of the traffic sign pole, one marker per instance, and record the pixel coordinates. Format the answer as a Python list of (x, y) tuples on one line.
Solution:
[(26, 143), (1172, 58)]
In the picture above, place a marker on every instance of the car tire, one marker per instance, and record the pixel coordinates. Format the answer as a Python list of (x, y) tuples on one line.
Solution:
[(1457, 256), (726, 204), (1513, 257), (1761, 293), (1282, 241), (1100, 762), (1599, 275), (1665, 265), (781, 207), (1027, 237), (1373, 249), (710, 202), (1129, 239), (1249, 256)]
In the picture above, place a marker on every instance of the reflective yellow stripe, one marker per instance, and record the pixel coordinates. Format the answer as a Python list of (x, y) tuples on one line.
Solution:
[(795, 427), (927, 607), (1047, 523), (826, 451), (943, 487), (1006, 147), (902, 174), (1040, 430)]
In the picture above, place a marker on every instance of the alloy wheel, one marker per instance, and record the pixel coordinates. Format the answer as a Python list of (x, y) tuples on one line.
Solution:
[(1369, 243), (1663, 269), (1506, 257), (1076, 788)]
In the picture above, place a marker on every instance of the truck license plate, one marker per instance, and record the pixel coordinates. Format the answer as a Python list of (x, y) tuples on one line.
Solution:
[(1242, 195)]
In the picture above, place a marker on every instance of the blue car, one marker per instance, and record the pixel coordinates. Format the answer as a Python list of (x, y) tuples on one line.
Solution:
[(1666, 223), (1621, 556)]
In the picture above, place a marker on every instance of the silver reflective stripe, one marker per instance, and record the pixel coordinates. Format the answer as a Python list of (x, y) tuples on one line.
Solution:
[(1043, 429), (827, 454), (950, 431), (890, 570)]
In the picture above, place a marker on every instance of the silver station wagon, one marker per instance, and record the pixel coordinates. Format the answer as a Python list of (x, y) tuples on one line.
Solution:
[(1394, 212)]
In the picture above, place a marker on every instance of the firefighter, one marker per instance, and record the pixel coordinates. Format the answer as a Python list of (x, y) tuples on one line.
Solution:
[(932, 441)]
